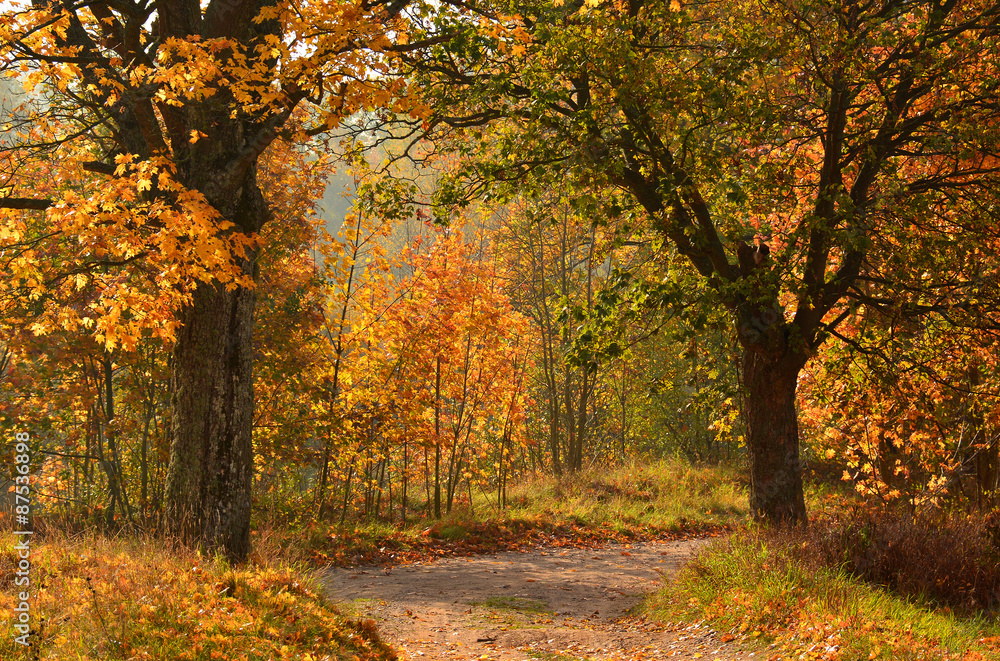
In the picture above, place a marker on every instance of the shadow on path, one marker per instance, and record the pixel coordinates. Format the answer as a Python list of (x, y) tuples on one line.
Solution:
[(558, 604)]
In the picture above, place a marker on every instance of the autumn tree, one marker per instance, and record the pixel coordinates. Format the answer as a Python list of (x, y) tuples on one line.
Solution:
[(357, 274), (101, 417), (151, 120), (445, 364), (805, 158), (910, 409)]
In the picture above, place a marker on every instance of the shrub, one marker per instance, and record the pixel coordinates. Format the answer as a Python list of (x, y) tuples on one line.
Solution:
[(768, 587), (94, 597), (953, 560)]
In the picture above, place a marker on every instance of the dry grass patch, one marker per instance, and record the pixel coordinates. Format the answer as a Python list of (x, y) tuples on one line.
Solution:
[(774, 589), (99, 598)]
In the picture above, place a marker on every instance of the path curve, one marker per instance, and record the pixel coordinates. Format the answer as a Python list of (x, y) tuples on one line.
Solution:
[(557, 603)]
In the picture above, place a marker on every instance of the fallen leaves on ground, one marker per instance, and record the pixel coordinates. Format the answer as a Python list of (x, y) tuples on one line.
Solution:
[(348, 549)]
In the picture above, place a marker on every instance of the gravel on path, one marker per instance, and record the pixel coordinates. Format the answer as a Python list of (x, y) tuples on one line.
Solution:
[(556, 604)]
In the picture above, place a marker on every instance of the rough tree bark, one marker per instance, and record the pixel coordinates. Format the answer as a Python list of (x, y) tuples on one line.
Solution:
[(773, 356), (209, 479), (207, 498), (211, 455), (772, 438)]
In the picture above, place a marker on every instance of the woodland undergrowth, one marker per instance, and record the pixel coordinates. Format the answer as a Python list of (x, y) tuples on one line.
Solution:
[(857, 583), (668, 498), (104, 597)]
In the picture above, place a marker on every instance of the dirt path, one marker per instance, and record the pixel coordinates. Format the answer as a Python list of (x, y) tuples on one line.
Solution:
[(554, 604)]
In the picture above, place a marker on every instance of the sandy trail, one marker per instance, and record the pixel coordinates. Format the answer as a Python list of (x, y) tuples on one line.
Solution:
[(556, 604)]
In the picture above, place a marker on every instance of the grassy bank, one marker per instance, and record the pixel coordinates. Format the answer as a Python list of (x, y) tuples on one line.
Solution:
[(99, 598), (95, 597), (771, 590), (664, 498)]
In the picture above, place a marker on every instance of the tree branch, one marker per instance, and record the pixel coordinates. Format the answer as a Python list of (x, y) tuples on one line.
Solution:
[(26, 203)]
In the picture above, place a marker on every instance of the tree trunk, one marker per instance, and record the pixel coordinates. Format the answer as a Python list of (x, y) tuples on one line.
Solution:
[(988, 469), (773, 439), (211, 455), (586, 385), (144, 464), (437, 441), (406, 468), (347, 493)]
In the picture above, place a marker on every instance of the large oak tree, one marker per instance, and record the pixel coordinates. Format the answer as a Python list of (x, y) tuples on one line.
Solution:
[(134, 164), (805, 158)]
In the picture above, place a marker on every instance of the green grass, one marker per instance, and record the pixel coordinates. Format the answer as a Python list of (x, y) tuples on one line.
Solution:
[(664, 494), (655, 498), (758, 587), (452, 532)]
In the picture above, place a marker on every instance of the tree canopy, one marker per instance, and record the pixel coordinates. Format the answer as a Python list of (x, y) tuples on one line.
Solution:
[(807, 159), (640, 216)]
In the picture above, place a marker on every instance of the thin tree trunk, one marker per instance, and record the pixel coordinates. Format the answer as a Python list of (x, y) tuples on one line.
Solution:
[(427, 482), (347, 493), (437, 441), (325, 474), (569, 417), (144, 464), (586, 385), (108, 462), (368, 480), (554, 442), (406, 467), (379, 488), (324, 477), (472, 506), (388, 491), (453, 472), (500, 474)]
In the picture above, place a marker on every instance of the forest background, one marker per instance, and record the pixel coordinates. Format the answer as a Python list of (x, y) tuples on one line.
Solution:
[(575, 236)]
